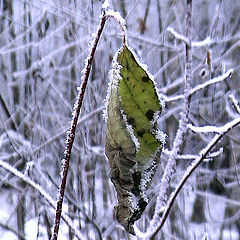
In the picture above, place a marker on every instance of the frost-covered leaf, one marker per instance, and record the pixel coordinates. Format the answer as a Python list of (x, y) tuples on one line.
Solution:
[(140, 104), (133, 144)]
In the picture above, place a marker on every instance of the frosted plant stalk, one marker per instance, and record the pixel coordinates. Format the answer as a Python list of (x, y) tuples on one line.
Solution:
[(177, 143), (212, 129), (43, 193), (203, 154), (200, 86), (73, 125)]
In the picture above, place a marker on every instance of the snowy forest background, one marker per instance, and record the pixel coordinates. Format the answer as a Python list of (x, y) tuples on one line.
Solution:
[(43, 45)]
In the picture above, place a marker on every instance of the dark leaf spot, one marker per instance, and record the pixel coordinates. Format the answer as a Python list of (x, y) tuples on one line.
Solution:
[(145, 79), (132, 121), (140, 132), (136, 180), (127, 65), (150, 114)]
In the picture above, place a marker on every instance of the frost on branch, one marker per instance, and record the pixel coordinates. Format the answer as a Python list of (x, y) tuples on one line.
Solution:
[(133, 142)]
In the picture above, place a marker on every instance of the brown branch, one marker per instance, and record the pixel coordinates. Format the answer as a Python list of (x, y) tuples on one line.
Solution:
[(71, 132)]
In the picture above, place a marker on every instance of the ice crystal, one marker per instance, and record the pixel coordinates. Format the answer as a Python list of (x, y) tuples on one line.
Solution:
[(131, 131), (114, 78)]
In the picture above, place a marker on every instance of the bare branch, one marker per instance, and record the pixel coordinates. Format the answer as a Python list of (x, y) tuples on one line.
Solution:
[(234, 102), (177, 143), (71, 132), (203, 154), (212, 129), (42, 192), (200, 86)]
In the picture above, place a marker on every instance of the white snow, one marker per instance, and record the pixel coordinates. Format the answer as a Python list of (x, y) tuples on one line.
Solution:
[(235, 102), (214, 129), (204, 43), (131, 131), (117, 16), (177, 35), (114, 78), (133, 200), (105, 5), (199, 87)]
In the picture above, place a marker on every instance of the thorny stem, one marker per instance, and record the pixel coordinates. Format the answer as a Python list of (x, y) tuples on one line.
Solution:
[(71, 133)]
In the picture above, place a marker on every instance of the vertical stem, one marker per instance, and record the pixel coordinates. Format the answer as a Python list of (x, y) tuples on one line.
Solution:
[(71, 132), (178, 141), (188, 48)]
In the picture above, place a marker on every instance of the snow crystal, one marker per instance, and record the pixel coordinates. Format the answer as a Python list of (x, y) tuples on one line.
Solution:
[(161, 136), (105, 5), (148, 172), (114, 78), (131, 131), (133, 200), (117, 16), (155, 117)]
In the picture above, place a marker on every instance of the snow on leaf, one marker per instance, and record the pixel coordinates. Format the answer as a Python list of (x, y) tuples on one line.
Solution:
[(140, 102), (133, 142)]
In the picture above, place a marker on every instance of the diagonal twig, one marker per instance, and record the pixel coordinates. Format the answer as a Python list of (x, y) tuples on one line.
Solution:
[(42, 192)]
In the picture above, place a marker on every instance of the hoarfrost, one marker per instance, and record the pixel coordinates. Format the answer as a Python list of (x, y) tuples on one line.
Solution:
[(148, 173), (130, 130), (213, 129), (29, 167), (235, 102), (161, 136), (114, 78), (105, 5), (116, 15), (133, 200)]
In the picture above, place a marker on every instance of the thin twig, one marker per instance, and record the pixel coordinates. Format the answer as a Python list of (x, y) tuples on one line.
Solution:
[(42, 192), (177, 143), (192, 168), (234, 102), (211, 129), (200, 86), (200, 44), (169, 170), (71, 132)]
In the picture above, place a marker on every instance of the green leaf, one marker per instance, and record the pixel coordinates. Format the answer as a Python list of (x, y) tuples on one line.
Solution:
[(133, 145), (139, 102)]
